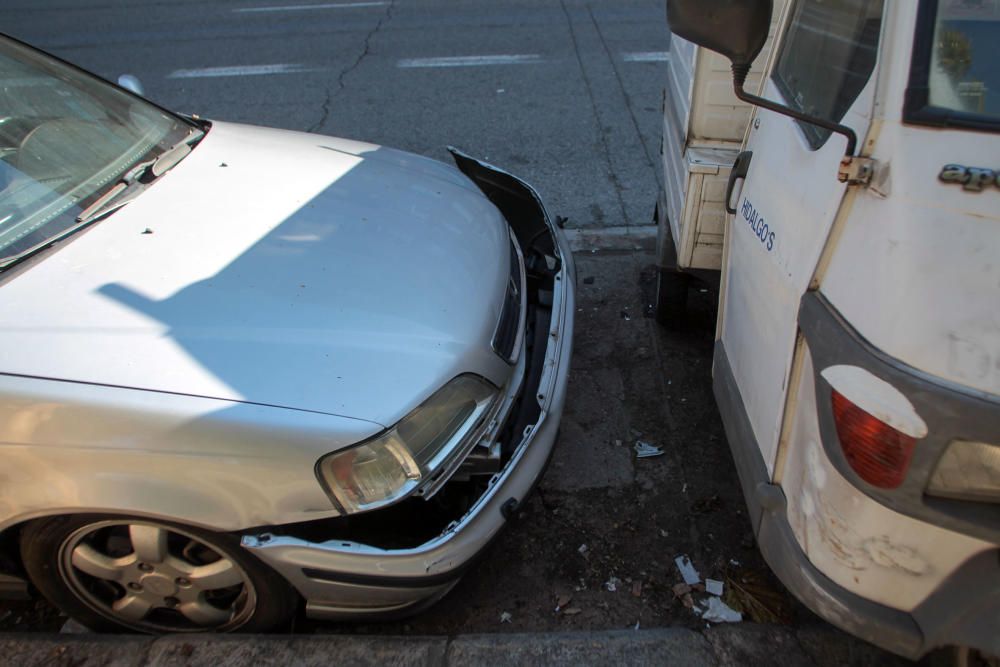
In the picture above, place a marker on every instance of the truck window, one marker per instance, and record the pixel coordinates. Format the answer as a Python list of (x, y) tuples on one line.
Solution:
[(827, 56), (955, 76)]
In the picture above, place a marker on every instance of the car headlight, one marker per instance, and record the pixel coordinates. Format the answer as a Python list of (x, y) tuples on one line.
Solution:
[(395, 463), (968, 471)]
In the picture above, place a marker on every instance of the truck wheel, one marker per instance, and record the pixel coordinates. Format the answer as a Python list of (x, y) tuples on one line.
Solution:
[(671, 297), (120, 574)]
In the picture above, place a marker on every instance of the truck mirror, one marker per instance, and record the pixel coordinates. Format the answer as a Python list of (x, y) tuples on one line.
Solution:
[(735, 28), (738, 29)]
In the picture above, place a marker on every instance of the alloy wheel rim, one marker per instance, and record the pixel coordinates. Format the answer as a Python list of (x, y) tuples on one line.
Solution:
[(155, 578)]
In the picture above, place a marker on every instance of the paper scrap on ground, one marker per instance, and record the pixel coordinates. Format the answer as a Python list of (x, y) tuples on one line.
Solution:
[(688, 573), (713, 586), (715, 610), (644, 450)]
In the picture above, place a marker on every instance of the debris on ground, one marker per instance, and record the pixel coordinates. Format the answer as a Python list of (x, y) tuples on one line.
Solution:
[(612, 584), (637, 589), (688, 573), (583, 549), (664, 533), (562, 602), (750, 592), (714, 587), (625, 316), (715, 610), (644, 450), (571, 611), (505, 617), (72, 627)]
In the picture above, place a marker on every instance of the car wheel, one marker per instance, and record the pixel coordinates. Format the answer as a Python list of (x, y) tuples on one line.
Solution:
[(671, 297), (138, 575)]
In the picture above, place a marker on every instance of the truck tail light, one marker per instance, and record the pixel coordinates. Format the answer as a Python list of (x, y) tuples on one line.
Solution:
[(876, 451)]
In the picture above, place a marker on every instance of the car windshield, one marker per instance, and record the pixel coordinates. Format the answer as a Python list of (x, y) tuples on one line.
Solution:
[(66, 137), (965, 72)]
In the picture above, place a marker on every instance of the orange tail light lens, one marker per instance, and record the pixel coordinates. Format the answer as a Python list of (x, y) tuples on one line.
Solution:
[(876, 451)]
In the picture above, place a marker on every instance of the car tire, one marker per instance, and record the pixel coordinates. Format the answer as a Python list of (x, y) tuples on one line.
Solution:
[(671, 297), (122, 574)]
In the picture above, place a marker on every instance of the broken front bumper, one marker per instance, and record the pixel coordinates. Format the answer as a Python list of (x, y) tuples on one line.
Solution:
[(341, 579)]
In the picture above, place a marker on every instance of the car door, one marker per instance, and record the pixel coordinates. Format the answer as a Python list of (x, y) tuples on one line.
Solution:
[(825, 66)]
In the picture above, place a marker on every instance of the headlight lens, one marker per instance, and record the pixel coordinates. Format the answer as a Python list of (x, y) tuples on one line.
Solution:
[(392, 465), (968, 471)]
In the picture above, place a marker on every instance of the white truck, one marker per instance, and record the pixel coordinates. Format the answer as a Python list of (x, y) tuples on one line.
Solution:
[(857, 354)]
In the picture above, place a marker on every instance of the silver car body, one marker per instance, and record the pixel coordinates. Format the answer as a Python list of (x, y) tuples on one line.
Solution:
[(275, 297)]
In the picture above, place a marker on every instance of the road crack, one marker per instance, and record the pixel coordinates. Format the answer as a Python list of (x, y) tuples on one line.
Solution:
[(628, 99), (605, 148), (332, 91)]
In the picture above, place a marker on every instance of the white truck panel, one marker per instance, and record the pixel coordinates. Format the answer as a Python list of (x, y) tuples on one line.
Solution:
[(704, 125), (927, 242)]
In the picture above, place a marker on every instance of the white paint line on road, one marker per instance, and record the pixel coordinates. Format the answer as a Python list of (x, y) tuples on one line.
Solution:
[(243, 70), (300, 8), (647, 57), (472, 61)]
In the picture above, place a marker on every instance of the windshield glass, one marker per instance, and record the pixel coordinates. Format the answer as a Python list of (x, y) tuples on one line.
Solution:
[(65, 138), (965, 72)]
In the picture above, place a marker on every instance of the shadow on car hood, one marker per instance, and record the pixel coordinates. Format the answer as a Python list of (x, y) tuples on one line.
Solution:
[(277, 268)]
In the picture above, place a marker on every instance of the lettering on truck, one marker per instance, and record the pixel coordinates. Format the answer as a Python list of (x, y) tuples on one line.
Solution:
[(757, 224)]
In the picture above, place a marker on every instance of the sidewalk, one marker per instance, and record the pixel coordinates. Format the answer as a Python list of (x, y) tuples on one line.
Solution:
[(725, 645)]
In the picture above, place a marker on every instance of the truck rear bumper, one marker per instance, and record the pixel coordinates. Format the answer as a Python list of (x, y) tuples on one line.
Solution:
[(962, 611)]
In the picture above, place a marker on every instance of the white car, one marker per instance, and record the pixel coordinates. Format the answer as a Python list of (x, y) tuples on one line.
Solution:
[(243, 369)]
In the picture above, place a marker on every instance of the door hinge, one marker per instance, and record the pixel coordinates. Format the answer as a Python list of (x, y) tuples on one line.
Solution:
[(856, 170)]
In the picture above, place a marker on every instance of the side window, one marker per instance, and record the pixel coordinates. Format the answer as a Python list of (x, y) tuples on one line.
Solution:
[(827, 57)]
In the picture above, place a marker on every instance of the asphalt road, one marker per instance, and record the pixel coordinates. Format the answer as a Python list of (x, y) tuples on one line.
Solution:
[(565, 93)]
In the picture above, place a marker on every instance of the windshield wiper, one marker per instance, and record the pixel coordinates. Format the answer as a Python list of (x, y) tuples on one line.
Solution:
[(142, 174), (125, 190)]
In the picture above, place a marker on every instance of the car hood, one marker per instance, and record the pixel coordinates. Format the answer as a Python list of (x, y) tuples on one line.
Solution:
[(277, 268)]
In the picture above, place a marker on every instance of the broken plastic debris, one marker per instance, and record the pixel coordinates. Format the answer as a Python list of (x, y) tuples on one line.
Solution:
[(72, 627), (636, 625), (612, 584), (583, 550), (644, 450), (664, 533), (717, 611), (505, 617), (713, 587), (688, 573)]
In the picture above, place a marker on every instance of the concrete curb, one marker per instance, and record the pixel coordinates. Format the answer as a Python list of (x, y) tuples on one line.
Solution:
[(744, 644)]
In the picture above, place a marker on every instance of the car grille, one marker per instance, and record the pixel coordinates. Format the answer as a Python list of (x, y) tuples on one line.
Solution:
[(507, 338)]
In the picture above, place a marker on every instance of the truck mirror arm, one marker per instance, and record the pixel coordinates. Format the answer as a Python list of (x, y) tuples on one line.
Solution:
[(739, 78)]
